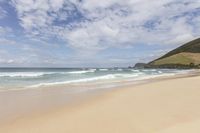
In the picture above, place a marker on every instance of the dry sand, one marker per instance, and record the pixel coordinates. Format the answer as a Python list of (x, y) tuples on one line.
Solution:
[(169, 106)]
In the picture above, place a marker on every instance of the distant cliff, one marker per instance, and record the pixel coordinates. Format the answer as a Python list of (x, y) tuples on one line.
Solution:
[(185, 56), (140, 65)]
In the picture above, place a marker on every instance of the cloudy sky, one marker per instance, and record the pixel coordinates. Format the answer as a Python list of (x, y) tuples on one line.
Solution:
[(93, 33)]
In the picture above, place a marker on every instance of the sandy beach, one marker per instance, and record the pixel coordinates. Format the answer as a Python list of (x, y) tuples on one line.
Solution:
[(99, 66), (168, 106)]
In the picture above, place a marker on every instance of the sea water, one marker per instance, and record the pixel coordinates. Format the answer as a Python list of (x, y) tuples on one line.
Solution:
[(30, 78)]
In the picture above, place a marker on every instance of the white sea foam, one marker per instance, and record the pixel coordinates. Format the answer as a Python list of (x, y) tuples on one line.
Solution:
[(135, 70), (22, 74), (103, 69), (39, 74), (109, 76), (105, 77), (160, 72), (49, 78), (82, 71)]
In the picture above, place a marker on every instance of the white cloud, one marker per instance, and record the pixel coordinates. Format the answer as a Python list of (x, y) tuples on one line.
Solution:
[(4, 41), (5, 30), (94, 25), (3, 13)]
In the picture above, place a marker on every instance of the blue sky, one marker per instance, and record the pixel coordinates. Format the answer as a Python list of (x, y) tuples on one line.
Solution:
[(93, 33)]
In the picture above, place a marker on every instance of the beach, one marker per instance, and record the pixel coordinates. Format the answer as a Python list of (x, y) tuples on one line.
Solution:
[(163, 106), (108, 66)]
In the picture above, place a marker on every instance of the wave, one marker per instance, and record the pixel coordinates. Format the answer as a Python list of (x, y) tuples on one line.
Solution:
[(103, 69), (23, 74), (40, 74), (105, 77), (154, 76), (135, 70), (48, 78), (82, 72), (109, 76)]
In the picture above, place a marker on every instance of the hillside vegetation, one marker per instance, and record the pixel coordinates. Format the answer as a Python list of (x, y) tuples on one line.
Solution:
[(185, 56)]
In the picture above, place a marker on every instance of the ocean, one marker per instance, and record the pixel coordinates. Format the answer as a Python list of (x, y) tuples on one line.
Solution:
[(82, 78)]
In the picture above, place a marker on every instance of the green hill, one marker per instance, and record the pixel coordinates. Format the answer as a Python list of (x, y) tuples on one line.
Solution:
[(185, 56)]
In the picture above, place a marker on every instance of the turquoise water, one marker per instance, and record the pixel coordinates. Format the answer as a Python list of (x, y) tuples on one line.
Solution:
[(35, 77)]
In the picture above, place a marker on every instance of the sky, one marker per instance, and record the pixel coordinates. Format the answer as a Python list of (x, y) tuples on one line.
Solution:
[(93, 33)]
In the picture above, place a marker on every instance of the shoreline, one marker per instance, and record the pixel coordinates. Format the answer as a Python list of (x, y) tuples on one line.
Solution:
[(83, 82), (25, 102), (92, 100), (37, 99)]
